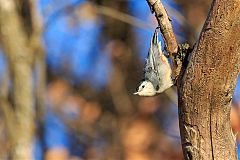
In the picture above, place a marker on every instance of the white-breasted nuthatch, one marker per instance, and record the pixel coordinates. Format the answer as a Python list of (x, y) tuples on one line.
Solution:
[(157, 70)]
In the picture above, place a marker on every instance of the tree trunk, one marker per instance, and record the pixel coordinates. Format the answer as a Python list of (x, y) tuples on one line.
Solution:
[(206, 88), (15, 44)]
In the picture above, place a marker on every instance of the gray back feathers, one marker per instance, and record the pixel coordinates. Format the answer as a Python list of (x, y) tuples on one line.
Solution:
[(153, 63)]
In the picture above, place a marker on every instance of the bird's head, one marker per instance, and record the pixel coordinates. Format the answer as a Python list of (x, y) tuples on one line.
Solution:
[(145, 89)]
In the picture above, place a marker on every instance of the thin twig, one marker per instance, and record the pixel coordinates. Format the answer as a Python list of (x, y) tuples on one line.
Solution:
[(107, 11)]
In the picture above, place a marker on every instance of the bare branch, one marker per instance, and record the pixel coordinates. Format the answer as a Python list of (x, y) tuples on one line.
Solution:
[(167, 32), (6, 107), (14, 42), (36, 47)]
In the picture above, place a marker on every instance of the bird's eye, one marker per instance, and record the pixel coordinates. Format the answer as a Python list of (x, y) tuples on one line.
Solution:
[(143, 86)]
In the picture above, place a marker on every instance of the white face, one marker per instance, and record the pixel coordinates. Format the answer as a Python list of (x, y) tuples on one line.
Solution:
[(146, 89)]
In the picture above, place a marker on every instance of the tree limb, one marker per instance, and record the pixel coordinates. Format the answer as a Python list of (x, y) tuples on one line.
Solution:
[(37, 48), (206, 87), (15, 44), (170, 41)]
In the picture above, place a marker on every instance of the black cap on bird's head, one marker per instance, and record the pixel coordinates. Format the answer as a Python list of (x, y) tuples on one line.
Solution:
[(145, 88)]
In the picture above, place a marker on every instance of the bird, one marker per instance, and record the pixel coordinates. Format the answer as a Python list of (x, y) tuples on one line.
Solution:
[(157, 70)]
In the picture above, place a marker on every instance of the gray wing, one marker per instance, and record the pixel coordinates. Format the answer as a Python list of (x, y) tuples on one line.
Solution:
[(153, 62)]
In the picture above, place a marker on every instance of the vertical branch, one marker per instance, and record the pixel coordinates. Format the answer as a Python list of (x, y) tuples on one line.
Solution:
[(14, 42), (6, 108), (37, 48), (207, 87)]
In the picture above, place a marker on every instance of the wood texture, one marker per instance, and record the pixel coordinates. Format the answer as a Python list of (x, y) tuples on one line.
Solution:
[(169, 38), (206, 89), (15, 45)]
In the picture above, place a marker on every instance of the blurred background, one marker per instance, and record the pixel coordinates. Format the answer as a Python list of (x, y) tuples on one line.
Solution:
[(89, 63)]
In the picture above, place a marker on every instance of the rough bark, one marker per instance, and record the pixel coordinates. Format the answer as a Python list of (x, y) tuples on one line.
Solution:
[(207, 86), (15, 44)]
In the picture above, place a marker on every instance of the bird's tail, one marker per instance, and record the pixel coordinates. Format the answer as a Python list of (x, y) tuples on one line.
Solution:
[(155, 37)]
